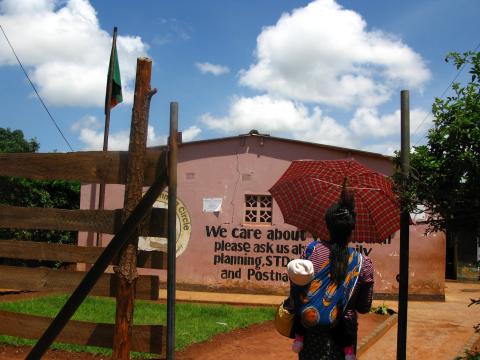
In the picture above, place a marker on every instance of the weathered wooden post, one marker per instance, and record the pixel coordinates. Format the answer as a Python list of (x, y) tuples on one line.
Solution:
[(127, 265)]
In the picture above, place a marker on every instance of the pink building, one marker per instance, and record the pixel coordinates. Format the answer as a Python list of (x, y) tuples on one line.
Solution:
[(231, 235)]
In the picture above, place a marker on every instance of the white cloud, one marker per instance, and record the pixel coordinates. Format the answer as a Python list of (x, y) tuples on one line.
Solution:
[(367, 129), (321, 56), (325, 54), (26, 6), (191, 133), (208, 68), (93, 140), (367, 122), (90, 133), (325, 130), (385, 148), (154, 139), (275, 115), (65, 51)]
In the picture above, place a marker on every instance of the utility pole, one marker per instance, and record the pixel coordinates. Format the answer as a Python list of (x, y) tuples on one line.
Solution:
[(172, 229), (404, 228)]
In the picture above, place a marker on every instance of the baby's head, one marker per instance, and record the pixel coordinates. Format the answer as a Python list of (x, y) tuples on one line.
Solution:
[(300, 271)]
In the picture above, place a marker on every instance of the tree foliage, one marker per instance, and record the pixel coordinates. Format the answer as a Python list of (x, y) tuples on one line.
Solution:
[(23, 192), (445, 173), (14, 142)]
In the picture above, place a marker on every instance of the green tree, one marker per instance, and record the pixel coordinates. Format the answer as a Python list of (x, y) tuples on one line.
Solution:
[(14, 141), (23, 192), (445, 173)]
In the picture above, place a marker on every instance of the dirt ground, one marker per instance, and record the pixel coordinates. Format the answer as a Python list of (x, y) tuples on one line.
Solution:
[(437, 330), (259, 341), (255, 342), (14, 353)]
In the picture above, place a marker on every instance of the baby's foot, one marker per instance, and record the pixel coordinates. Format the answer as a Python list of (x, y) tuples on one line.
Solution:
[(349, 353), (297, 346)]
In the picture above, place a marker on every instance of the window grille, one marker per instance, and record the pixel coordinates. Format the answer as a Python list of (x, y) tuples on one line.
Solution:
[(258, 209)]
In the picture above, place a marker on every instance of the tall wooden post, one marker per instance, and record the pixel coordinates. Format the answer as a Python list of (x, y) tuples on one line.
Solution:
[(172, 229), (127, 266), (404, 230)]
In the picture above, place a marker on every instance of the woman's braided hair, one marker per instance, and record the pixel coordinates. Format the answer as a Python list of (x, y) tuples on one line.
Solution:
[(340, 219)]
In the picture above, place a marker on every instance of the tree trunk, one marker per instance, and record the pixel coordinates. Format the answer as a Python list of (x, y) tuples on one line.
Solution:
[(127, 267)]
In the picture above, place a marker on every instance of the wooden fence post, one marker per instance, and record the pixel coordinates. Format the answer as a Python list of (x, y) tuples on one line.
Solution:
[(127, 266)]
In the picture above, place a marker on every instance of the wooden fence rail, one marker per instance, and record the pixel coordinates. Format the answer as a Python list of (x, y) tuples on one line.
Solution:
[(88, 167), (93, 167), (46, 279), (145, 338), (103, 221), (30, 250)]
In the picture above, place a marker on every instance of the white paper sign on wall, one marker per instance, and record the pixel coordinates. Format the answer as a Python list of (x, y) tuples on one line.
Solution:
[(212, 204)]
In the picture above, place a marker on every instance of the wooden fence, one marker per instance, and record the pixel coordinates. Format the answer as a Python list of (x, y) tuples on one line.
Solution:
[(108, 167)]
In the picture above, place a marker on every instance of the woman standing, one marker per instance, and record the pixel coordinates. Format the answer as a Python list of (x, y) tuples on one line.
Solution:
[(354, 281)]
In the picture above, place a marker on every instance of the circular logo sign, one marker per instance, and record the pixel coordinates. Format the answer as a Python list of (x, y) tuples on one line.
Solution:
[(184, 228)]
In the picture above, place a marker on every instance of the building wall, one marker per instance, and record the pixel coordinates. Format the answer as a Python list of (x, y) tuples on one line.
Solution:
[(231, 168)]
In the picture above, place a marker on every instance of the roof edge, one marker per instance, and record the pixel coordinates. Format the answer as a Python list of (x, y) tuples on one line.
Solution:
[(255, 133)]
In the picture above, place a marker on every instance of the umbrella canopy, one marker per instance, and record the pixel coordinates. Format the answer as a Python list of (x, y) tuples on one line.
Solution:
[(309, 187)]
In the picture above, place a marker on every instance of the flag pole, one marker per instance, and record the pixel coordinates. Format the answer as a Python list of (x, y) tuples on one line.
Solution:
[(108, 101)]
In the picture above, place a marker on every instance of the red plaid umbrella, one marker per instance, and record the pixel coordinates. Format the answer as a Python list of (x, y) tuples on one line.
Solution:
[(309, 187)]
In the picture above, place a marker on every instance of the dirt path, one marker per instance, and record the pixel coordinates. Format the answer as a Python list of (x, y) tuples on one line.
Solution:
[(437, 330), (16, 353), (259, 341), (255, 342)]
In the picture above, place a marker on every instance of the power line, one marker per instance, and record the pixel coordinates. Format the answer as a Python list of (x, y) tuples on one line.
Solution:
[(443, 94), (35, 89)]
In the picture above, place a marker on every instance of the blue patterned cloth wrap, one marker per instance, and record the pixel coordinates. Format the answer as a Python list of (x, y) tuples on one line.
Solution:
[(322, 302)]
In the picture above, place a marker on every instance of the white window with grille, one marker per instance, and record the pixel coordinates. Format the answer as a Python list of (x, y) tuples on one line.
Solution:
[(258, 209)]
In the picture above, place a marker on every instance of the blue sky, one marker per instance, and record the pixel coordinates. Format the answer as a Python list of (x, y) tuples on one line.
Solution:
[(323, 71)]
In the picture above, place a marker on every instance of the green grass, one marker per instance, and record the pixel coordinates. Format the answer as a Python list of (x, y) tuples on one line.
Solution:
[(469, 355), (194, 322)]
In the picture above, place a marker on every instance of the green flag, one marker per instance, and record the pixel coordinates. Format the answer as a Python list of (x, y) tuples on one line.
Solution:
[(114, 93)]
